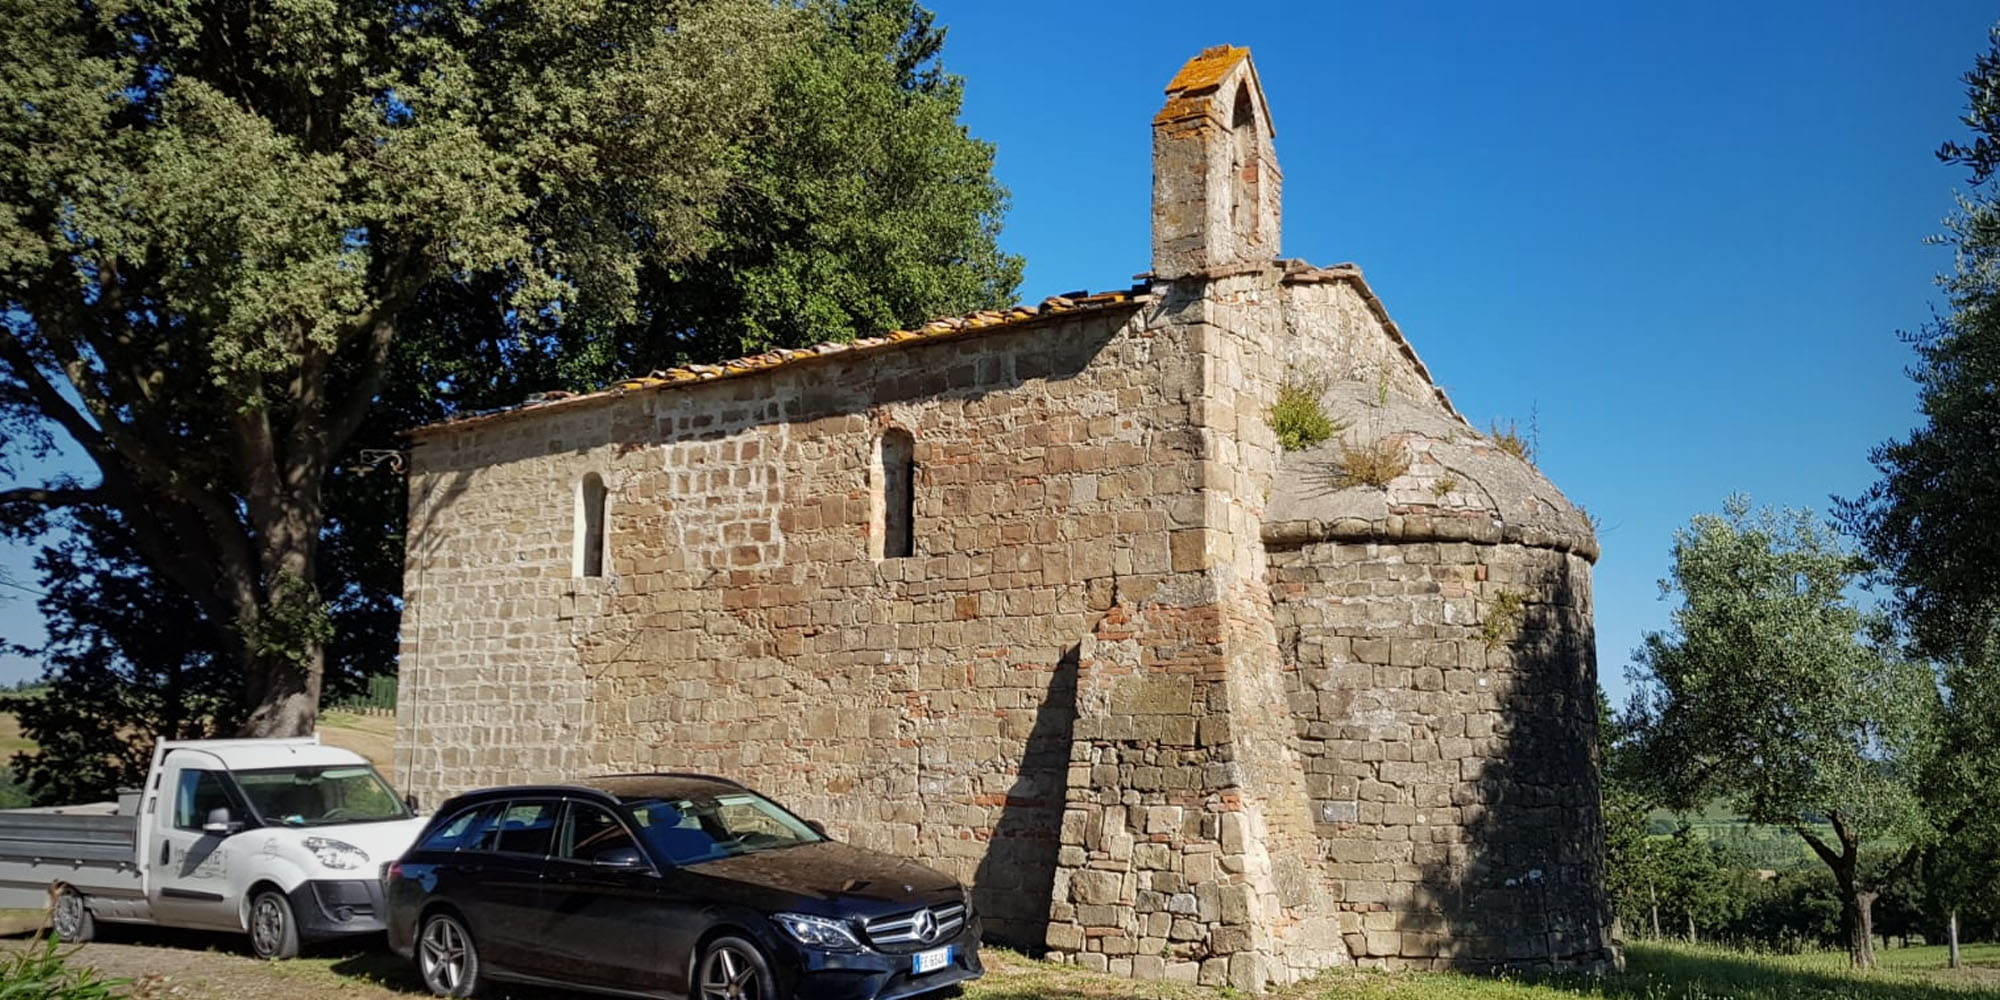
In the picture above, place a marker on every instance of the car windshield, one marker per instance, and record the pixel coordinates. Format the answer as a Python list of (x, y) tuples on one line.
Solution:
[(693, 830), (318, 796)]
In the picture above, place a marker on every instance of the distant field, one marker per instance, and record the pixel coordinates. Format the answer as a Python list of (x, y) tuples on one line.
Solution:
[(1758, 845), (11, 740)]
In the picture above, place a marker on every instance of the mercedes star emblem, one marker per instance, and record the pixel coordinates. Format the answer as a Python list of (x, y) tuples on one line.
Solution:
[(927, 928)]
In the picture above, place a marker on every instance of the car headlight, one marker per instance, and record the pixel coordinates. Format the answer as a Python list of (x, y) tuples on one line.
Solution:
[(818, 932), (336, 853)]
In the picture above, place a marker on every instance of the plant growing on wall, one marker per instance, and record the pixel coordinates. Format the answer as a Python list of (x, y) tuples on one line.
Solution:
[(1506, 612), (1375, 463), (1297, 416), (1507, 437)]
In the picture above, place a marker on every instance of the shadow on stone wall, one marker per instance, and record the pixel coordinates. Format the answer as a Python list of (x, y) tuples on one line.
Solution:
[(1518, 884), (1016, 878)]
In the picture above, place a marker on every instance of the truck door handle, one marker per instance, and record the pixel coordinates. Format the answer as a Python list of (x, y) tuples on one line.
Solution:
[(166, 851)]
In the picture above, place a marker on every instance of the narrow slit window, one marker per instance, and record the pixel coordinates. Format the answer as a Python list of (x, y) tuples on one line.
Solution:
[(1249, 172), (898, 478), (590, 526)]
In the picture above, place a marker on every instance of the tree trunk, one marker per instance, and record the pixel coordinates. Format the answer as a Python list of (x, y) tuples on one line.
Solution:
[(1951, 935), (1857, 905), (1691, 938), (1857, 911), (1654, 892), (283, 619), (283, 695)]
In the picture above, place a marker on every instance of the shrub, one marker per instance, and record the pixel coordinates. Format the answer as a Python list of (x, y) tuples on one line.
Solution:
[(44, 973), (1297, 416), (1509, 439), (1374, 464), (1442, 487)]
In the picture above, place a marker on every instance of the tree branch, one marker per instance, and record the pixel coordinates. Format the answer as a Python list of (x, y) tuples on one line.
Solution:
[(381, 327), (1819, 847), (52, 403), (53, 497)]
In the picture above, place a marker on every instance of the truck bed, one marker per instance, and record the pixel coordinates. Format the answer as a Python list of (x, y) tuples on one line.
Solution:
[(82, 846)]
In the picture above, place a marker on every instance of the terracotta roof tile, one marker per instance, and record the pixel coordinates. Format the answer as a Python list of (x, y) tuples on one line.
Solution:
[(1205, 72), (937, 329)]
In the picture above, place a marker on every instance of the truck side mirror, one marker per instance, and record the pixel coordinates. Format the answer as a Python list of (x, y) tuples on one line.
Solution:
[(219, 822), (410, 800)]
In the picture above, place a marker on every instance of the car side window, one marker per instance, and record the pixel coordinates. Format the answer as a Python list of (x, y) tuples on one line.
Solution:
[(466, 831), (196, 794), (527, 827), (590, 831)]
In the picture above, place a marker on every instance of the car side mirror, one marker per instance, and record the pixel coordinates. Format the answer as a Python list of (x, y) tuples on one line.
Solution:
[(818, 827), (620, 857), (219, 822), (410, 800)]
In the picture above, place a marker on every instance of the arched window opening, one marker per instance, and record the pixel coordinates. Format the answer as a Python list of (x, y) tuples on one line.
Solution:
[(590, 496), (1247, 173), (897, 472)]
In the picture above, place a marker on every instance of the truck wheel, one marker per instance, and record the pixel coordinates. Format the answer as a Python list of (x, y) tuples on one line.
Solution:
[(447, 958), (274, 933), (70, 917)]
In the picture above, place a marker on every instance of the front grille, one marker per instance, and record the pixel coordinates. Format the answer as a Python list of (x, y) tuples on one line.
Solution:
[(906, 931)]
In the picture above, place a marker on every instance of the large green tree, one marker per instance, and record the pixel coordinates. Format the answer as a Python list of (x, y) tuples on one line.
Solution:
[(233, 236), (1929, 520), (1770, 690)]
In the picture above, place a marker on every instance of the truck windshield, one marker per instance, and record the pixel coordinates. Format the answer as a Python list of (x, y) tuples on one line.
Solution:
[(316, 796)]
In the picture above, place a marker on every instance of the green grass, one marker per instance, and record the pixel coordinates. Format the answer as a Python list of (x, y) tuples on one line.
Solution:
[(1654, 972), (1684, 972)]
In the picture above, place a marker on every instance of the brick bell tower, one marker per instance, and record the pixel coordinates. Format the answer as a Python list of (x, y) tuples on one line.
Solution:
[(1216, 184)]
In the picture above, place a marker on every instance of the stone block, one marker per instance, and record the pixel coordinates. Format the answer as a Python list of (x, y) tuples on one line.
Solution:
[(1247, 971), (1090, 887)]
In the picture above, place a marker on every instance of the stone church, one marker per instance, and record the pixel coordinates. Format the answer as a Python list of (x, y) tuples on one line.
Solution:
[(1036, 596)]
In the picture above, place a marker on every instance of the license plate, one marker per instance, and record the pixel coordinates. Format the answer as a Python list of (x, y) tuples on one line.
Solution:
[(930, 961)]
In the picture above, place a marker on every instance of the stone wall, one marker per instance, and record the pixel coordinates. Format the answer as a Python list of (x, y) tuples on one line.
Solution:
[(1193, 839), (925, 705), (1175, 704), (1445, 702)]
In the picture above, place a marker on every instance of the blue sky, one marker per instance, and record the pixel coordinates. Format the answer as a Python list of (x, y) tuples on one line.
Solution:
[(1683, 236)]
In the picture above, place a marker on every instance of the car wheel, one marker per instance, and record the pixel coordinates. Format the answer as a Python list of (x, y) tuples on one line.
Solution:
[(70, 917), (274, 932), (733, 969), (447, 958)]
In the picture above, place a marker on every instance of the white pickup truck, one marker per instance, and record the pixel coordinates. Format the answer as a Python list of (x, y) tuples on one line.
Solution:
[(281, 839)]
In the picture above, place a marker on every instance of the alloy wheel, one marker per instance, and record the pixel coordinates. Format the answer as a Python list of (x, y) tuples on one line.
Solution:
[(443, 956), (267, 924), (728, 974)]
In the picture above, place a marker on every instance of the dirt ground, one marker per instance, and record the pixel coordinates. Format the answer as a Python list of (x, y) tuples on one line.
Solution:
[(173, 965), (371, 736), (164, 964)]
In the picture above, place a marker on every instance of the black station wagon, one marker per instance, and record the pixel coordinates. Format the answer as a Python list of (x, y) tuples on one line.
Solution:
[(668, 885)]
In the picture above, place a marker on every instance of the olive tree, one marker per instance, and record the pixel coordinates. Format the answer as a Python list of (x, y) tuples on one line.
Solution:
[(1771, 691)]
